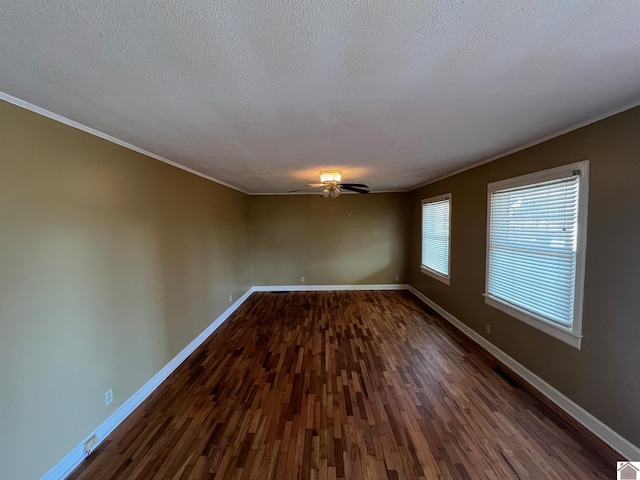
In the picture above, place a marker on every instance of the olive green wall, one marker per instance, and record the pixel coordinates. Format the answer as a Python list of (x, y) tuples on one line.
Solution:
[(602, 377), (110, 263), (361, 240)]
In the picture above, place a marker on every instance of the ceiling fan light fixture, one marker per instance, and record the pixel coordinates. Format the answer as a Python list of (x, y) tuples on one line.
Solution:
[(332, 186), (330, 191), (330, 176)]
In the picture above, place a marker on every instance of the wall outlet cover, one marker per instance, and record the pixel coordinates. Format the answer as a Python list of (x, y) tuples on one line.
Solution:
[(108, 397), (90, 444)]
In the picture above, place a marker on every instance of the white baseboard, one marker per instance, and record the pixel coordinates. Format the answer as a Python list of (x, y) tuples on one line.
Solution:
[(605, 433), (319, 288), (75, 457), (599, 429)]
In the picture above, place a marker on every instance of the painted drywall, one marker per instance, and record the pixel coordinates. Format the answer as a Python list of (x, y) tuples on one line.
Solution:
[(361, 240), (110, 264), (602, 376), (264, 94)]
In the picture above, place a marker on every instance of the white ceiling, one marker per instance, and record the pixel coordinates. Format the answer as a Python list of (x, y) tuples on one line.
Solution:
[(262, 95)]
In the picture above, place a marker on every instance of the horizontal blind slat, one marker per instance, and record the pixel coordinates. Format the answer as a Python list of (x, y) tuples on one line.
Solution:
[(435, 235), (532, 247)]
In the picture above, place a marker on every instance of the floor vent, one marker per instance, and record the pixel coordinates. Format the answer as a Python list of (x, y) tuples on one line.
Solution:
[(428, 310), (506, 377)]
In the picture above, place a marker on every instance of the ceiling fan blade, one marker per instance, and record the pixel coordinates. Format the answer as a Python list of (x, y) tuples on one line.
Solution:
[(353, 189), (359, 185), (314, 185), (303, 189)]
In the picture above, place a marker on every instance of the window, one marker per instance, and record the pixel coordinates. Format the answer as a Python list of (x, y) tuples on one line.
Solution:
[(535, 249), (436, 214)]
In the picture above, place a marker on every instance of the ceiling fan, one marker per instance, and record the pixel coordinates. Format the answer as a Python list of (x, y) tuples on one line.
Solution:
[(330, 183)]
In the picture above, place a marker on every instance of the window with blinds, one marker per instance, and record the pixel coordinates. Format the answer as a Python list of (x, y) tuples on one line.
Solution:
[(435, 236), (534, 245)]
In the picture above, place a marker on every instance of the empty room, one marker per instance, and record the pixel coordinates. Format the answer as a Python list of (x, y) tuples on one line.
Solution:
[(319, 240)]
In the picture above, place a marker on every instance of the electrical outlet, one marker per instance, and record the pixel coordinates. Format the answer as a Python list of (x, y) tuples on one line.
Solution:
[(230, 298), (108, 397), (302, 280), (89, 445), (397, 278), (487, 328)]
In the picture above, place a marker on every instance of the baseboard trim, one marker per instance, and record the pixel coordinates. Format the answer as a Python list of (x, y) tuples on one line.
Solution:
[(321, 288), (587, 420), (591, 423), (75, 456)]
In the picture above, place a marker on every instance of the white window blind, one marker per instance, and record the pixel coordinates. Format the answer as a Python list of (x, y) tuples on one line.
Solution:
[(435, 234), (533, 247)]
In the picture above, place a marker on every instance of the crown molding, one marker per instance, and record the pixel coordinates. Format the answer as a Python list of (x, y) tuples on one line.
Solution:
[(551, 136), (92, 131)]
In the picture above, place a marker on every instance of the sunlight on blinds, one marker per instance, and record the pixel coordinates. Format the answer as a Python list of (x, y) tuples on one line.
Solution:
[(532, 247), (435, 236)]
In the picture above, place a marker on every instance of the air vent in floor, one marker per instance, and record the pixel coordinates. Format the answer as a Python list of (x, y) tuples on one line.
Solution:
[(506, 377)]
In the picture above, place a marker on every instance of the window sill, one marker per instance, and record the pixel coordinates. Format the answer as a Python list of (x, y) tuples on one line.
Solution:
[(566, 335), (434, 274)]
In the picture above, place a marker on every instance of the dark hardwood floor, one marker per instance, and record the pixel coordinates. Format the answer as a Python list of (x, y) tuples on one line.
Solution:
[(357, 385)]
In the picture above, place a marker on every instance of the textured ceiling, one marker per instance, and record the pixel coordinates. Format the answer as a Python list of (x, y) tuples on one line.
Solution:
[(263, 95)]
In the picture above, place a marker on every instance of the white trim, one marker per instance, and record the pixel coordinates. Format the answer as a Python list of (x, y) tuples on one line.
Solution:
[(563, 334), (621, 445), (75, 457), (92, 131), (321, 288), (551, 136), (423, 268), (541, 176), (436, 275), (59, 118), (602, 431), (572, 335)]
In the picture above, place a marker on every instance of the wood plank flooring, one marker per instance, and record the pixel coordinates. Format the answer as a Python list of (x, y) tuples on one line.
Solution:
[(328, 385)]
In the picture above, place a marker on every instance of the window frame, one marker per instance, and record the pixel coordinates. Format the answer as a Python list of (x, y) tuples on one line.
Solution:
[(423, 268), (571, 335)]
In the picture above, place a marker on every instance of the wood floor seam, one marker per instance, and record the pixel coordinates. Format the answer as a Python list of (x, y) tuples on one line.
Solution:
[(340, 384)]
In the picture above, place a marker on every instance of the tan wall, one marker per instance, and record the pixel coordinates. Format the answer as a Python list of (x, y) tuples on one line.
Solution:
[(110, 264), (362, 240), (603, 376)]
